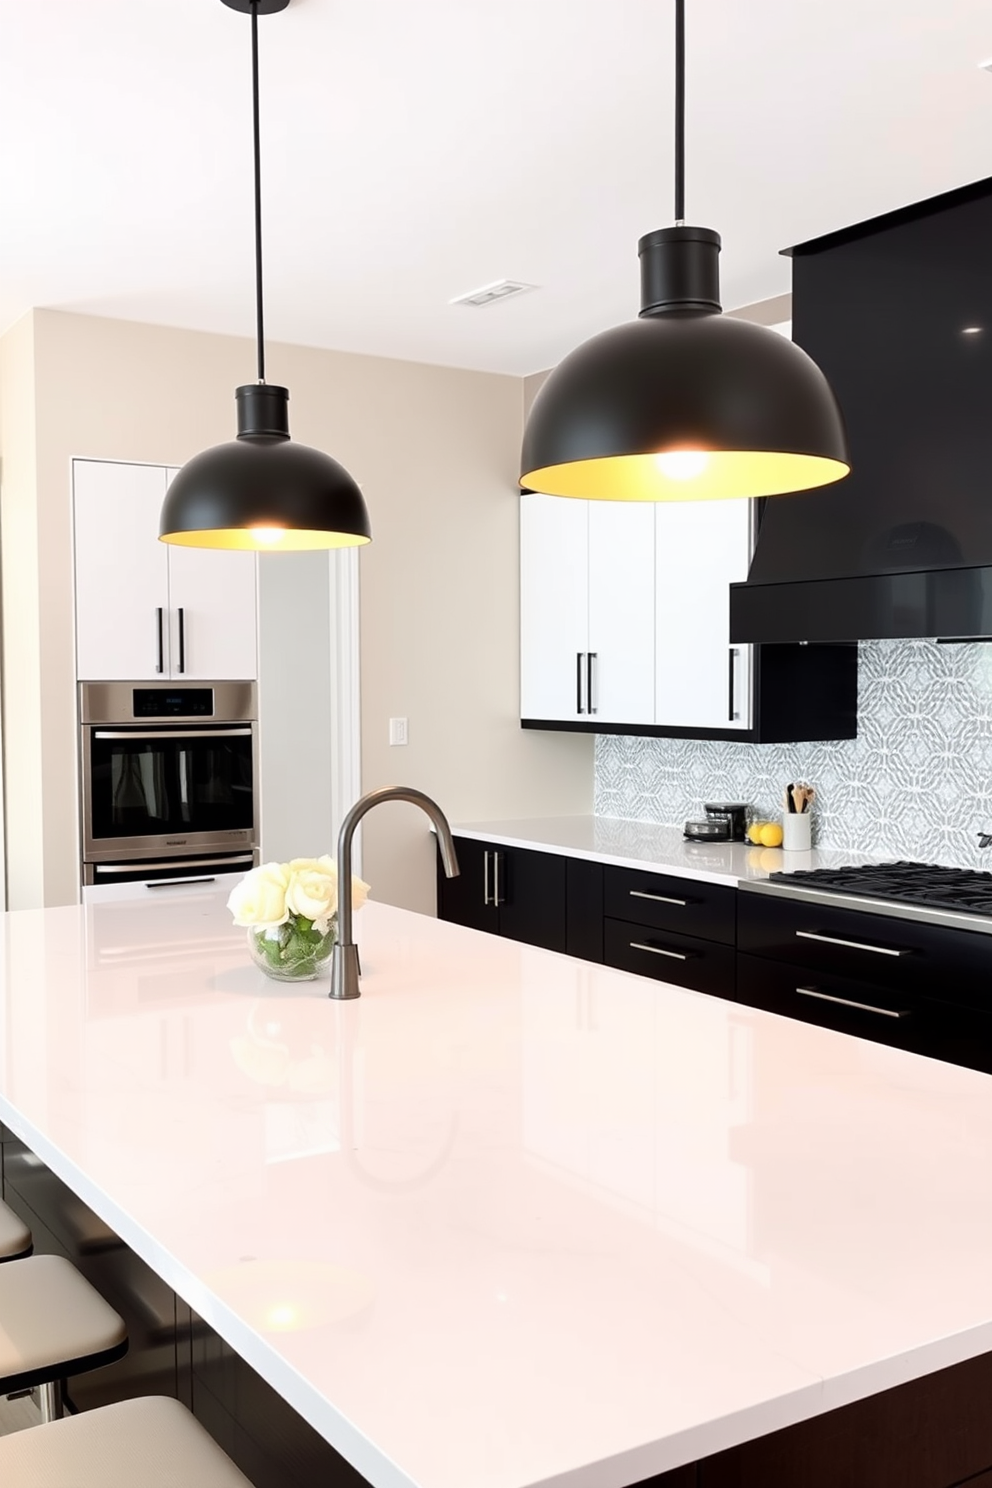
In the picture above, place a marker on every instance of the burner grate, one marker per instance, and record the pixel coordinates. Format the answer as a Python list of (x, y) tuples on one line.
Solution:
[(965, 889)]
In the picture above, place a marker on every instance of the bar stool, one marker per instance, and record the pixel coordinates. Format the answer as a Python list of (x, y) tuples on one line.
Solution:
[(15, 1237), (152, 1441), (53, 1325)]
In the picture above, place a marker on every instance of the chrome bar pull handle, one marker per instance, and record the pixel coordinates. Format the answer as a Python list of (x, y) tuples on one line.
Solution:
[(732, 713), (168, 883), (578, 683), (638, 945), (851, 945), (862, 1007), (591, 657), (658, 898), (485, 876), (160, 664), (219, 734), (182, 639), (496, 899)]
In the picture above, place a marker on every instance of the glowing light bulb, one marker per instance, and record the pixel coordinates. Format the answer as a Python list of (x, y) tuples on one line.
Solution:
[(683, 464), (267, 535)]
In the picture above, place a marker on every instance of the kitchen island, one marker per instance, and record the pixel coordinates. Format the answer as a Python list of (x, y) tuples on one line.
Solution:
[(511, 1218)]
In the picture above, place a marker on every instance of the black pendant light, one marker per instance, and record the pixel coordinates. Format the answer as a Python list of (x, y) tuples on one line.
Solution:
[(683, 404), (261, 491)]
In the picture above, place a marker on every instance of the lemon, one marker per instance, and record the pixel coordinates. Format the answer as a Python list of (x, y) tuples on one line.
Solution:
[(754, 832), (771, 835)]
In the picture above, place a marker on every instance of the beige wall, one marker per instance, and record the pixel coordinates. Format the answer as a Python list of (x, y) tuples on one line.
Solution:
[(19, 576), (435, 451)]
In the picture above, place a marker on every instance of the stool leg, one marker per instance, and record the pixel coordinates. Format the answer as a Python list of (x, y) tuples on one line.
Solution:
[(50, 1400)]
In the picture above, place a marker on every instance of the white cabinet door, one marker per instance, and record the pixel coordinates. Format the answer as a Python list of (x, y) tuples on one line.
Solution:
[(122, 585), (621, 610), (213, 610), (554, 606), (701, 681)]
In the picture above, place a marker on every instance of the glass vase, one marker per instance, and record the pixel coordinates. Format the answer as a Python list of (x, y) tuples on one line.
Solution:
[(293, 952)]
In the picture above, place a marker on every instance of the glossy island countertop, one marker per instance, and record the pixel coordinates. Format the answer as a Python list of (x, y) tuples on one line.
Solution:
[(650, 846), (510, 1219)]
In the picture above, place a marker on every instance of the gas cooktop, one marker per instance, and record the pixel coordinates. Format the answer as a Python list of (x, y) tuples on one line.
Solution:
[(951, 896)]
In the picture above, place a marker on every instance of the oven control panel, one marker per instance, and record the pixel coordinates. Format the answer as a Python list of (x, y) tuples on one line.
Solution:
[(180, 702)]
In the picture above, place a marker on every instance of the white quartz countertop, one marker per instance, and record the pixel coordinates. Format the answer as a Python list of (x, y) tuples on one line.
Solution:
[(510, 1219), (645, 845)]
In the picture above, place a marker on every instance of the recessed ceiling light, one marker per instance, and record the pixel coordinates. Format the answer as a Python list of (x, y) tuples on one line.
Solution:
[(972, 330), (502, 289)]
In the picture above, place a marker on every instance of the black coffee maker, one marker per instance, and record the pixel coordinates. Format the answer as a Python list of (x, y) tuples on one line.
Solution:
[(734, 813)]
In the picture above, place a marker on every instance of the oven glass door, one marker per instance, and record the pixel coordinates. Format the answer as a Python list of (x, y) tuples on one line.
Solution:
[(146, 785)]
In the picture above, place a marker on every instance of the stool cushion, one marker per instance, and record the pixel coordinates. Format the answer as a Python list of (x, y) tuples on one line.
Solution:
[(53, 1323), (15, 1237), (153, 1442)]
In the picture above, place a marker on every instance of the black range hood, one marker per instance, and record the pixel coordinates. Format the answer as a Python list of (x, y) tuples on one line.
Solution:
[(898, 313)]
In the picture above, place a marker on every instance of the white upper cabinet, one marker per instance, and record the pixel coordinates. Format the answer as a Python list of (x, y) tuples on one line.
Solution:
[(147, 611), (701, 681), (212, 599), (625, 613), (621, 610), (122, 572), (586, 611), (554, 606)]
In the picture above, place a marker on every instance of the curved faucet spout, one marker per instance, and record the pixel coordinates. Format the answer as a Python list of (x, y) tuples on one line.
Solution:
[(344, 962)]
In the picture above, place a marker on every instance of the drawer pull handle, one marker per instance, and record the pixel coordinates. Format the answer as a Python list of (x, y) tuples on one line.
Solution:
[(638, 945), (853, 945), (658, 898), (863, 1007)]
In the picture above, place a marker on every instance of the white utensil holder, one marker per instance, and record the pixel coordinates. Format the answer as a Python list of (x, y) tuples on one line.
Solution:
[(796, 836)]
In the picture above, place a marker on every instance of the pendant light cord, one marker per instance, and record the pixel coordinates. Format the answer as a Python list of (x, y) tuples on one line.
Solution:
[(259, 327), (679, 111)]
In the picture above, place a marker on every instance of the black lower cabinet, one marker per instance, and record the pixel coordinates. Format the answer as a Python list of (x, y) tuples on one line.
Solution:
[(467, 899), (584, 909), (507, 891), (939, 1028), (894, 980), (703, 965), (673, 929)]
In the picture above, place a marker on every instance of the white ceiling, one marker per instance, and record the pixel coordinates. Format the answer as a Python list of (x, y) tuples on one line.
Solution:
[(416, 149)]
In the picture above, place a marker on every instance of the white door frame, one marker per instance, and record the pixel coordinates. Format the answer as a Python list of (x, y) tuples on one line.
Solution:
[(346, 700)]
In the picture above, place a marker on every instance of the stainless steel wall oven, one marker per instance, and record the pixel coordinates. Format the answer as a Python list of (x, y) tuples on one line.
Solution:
[(169, 779)]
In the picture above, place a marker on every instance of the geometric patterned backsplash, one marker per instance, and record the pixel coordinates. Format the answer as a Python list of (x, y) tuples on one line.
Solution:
[(916, 783)]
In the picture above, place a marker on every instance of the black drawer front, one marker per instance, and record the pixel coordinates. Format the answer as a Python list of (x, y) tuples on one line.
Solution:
[(885, 951), (941, 1030), (680, 904), (688, 962)]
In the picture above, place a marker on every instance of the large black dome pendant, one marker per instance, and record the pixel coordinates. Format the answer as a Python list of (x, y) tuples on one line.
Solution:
[(262, 491), (683, 404)]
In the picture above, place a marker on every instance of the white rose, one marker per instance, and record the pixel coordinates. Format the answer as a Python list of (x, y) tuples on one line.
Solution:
[(259, 900), (313, 893), (326, 864)]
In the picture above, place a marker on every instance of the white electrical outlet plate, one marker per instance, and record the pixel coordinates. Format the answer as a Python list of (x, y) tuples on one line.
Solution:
[(397, 731)]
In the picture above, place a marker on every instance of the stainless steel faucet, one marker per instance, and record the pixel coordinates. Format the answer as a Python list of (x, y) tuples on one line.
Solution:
[(344, 961)]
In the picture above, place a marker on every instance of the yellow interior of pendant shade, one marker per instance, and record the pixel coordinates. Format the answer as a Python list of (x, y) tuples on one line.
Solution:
[(711, 475), (264, 539)]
